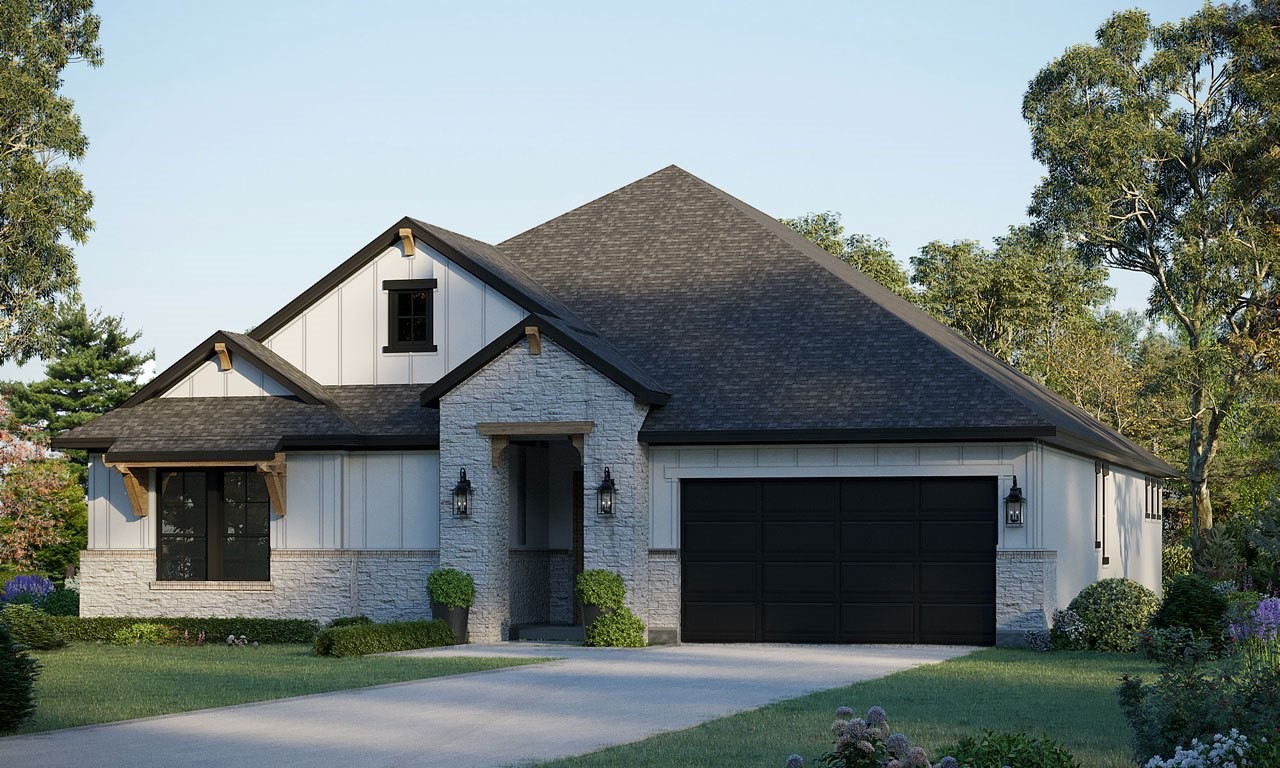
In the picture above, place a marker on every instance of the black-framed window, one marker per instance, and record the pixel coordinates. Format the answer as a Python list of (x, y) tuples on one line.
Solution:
[(214, 525), (410, 326)]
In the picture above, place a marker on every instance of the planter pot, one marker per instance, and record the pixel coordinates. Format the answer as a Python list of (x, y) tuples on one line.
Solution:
[(455, 617), (589, 615)]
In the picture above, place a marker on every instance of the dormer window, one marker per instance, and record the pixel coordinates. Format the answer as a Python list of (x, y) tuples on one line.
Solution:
[(409, 315)]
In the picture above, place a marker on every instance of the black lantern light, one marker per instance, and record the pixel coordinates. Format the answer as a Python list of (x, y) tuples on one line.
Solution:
[(605, 494), (462, 495), (1014, 504)]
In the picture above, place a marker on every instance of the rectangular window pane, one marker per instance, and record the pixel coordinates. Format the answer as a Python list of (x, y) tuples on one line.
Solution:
[(255, 487), (404, 329), (419, 304), (419, 329), (404, 305), (182, 558)]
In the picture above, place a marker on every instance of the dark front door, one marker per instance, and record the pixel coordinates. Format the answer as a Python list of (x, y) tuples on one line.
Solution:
[(908, 560)]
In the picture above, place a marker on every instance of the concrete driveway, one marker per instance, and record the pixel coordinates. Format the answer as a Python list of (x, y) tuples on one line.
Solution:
[(591, 699)]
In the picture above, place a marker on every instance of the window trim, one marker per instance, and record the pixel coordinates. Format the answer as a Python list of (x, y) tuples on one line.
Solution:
[(395, 287)]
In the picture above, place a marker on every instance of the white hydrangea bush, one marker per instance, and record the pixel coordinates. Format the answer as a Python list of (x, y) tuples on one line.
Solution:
[(1224, 751)]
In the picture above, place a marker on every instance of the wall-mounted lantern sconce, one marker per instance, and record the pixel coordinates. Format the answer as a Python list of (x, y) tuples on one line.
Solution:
[(606, 493), (1014, 504), (462, 495)]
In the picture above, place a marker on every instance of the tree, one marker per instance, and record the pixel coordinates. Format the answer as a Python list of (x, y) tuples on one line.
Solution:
[(1012, 301), (43, 202), (870, 256), (43, 516), (1162, 156)]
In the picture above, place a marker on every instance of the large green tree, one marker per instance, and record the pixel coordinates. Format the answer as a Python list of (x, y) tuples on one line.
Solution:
[(44, 206), (1013, 300), (92, 370), (869, 255), (1162, 150)]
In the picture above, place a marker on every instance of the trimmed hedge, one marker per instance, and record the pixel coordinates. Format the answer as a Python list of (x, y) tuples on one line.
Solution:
[(1113, 612), (1191, 601), (601, 588), (619, 629), (265, 631), (361, 639), (34, 629), (145, 633), (62, 602), (349, 621)]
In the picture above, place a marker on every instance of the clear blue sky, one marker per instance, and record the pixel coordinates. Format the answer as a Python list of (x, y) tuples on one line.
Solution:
[(238, 151)]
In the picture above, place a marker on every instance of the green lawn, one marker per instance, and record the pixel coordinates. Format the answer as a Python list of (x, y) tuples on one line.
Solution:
[(1066, 696), (88, 683)]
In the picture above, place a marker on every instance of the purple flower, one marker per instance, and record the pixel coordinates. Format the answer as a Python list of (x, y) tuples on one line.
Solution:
[(897, 745), (893, 764), (865, 746), (1262, 624), (844, 713), (795, 761), (948, 762), (26, 589), (875, 716), (916, 758), (856, 728), (838, 727)]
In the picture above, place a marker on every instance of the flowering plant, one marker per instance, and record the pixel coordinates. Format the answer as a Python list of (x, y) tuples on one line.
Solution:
[(1068, 631), (867, 742), (1229, 751), (31, 590)]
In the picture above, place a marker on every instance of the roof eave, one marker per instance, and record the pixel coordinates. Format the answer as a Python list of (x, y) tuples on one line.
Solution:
[(841, 435)]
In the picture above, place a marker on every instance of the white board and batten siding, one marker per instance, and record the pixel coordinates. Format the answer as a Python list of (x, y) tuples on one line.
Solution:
[(339, 339), (373, 501), (244, 379), (670, 465)]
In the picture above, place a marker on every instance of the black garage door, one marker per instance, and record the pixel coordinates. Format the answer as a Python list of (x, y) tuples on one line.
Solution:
[(896, 560)]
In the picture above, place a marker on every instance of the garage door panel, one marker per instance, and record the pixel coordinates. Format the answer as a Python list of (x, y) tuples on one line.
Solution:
[(725, 621), (722, 538), (799, 537), (887, 580), (878, 498), (950, 539), (797, 622), (709, 497), (730, 579), (880, 539), (958, 496), (972, 623), (799, 499), (877, 622), (964, 579), (799, 579)]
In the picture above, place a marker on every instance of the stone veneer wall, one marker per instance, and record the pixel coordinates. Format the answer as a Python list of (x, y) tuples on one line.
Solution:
[(664, 596), (384, 585), (518, 386), (1026, 592)]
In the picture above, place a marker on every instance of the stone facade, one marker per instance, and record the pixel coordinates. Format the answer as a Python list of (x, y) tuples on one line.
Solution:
[(384, 585), (518, 386), (663, 615), (1026, 592)]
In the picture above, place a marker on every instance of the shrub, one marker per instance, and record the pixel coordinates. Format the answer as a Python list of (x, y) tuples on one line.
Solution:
[(867, 742), (18, 672), (1192, 602), (27, 590), (32, 628), (62, 602), (994, 750), (266, 631), (1175, 560), (1113, 611), (361, 639), (451, 588), (619, 629), (1067, 633), (350, 621), (145, 633), (1175, 645), (1220, 752), (1038, 640), (600, 588)]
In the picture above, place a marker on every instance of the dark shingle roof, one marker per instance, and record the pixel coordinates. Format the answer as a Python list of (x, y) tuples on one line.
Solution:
[(759, 334), (387, 415)]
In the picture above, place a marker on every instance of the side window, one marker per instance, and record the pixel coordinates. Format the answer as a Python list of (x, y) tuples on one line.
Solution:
[(410, 305)]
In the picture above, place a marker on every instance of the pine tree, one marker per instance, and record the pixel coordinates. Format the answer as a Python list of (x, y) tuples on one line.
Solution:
[(94, 369)]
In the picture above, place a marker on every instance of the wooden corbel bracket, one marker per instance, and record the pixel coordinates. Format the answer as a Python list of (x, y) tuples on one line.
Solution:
[(135, 485), (406, 237), (224, 357), (273, 472), (535, 339)]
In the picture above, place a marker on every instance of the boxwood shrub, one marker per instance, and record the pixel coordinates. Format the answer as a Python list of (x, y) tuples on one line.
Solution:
[(619, 629), (993, 750), (601, 588), (1113, 612), (265, 631), (1191, 601), (350, 621), (18, 673), (145, 633), (361, 639), (62, 602), (34, 629), (451, 588)]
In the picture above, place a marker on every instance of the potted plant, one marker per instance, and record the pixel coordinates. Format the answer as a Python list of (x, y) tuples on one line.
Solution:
[(452, 592), (598, 592)]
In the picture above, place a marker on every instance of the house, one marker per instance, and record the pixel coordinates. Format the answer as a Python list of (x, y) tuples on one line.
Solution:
[(665, 382)]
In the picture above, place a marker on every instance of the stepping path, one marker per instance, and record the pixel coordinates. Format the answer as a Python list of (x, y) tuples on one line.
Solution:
[(591, 698)]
